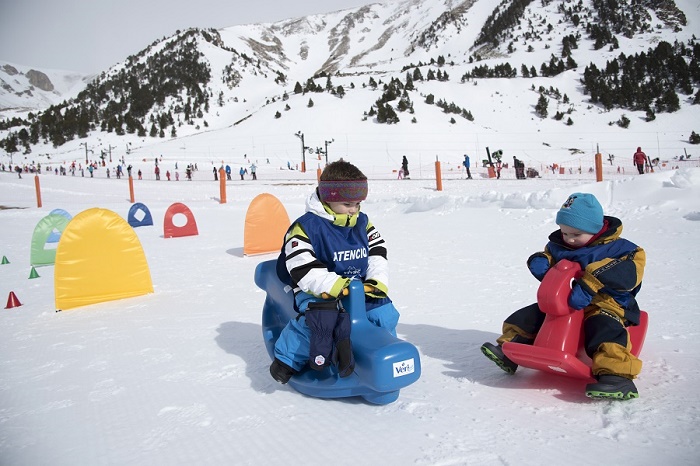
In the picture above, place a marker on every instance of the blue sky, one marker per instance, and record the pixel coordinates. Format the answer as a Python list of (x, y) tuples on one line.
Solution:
[(89, 36)]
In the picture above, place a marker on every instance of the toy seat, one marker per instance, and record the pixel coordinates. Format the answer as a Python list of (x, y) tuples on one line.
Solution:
[(383, 363), (558, 347)]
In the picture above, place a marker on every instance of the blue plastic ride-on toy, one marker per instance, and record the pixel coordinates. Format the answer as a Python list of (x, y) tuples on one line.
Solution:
[(558, 346), (384, 364)]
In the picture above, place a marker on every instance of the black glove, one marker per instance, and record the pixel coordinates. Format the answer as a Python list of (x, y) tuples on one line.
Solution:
[(321, 318)]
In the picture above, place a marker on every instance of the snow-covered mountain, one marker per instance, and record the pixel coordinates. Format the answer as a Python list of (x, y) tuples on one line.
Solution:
[(24, 89), (258, 78)]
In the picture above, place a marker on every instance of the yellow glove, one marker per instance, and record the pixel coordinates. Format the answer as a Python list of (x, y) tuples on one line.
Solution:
[(375, 288)]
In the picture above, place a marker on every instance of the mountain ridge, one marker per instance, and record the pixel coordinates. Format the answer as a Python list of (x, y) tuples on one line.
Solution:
[(245, 69)]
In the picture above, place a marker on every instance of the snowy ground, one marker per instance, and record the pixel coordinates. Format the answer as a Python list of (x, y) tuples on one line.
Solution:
[(180, 376)]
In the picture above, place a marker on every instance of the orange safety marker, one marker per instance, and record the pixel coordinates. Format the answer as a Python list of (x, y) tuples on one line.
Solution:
[(37, 186)]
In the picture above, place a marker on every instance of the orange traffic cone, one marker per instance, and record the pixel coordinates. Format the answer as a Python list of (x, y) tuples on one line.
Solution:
[(12, 301)]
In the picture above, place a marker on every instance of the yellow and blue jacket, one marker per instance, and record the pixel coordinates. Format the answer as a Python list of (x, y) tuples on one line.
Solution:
[(613, 268)]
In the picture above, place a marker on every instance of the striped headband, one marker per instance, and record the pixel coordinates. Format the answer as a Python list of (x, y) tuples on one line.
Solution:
[(342, 190)]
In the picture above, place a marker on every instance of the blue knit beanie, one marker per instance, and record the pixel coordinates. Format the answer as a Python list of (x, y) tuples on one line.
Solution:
[(583, 212)]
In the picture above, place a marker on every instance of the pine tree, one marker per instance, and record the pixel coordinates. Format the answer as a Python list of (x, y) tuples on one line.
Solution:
[(541, 107), (524, 71)]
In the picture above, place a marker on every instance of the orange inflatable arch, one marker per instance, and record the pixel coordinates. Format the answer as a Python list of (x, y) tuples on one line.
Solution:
[(266, 222)]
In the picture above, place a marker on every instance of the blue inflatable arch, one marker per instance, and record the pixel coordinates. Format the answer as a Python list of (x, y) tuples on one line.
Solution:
[(134, 210)]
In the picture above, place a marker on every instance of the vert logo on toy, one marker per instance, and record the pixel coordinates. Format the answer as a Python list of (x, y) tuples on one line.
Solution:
[(404, 367)]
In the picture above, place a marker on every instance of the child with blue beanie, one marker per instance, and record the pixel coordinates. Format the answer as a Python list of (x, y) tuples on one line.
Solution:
[(324, 249), (613, 268)]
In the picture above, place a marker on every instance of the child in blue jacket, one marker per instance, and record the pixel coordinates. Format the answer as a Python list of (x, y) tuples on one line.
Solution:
[(613, 268), (324, 249)]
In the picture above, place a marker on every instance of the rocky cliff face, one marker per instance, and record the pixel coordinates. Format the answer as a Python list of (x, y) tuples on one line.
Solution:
[(9, 69), (24, 89), (39, 80)]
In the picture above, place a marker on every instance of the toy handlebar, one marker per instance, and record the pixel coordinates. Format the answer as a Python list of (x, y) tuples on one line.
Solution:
[(346, 291), (554, 291)]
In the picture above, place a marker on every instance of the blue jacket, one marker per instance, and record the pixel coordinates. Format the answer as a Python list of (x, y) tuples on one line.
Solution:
[(323, 251), (613, 268)]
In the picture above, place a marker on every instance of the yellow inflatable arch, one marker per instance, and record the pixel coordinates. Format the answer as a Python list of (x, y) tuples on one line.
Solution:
[(266, 222), (99, 258)]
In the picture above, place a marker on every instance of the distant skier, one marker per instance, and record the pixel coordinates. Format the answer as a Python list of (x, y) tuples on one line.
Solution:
[(519, 168), (466, 164), (404, 167), (639, 159)]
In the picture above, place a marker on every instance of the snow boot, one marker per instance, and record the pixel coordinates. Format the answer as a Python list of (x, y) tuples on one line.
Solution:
[(495, 354), (281, 372), (612, 386)]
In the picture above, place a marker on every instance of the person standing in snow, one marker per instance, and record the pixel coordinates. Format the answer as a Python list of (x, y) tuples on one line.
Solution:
[(253, 171), (519, 168), (315, 262), (467, 164), (639, 158), (404, 167), (613, 268)]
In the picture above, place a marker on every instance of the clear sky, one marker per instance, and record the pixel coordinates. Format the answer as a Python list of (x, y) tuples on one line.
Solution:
[(89, 36)]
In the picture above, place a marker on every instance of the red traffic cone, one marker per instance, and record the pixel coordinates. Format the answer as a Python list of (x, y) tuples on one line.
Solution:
[(12, 301)]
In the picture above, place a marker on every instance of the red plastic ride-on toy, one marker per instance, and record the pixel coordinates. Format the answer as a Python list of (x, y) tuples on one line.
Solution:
[(558, 347)]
